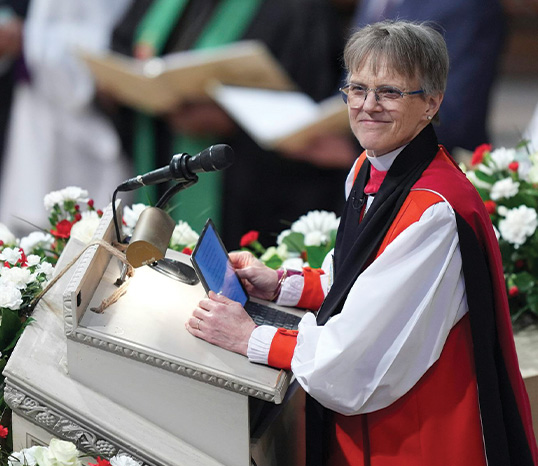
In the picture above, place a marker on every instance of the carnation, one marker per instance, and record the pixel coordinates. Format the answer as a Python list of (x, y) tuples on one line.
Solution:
[(502, 157), (183, 235), (36, 240), (19, 276), (85, 228), (123, 460), (314, 238), (518, 224), (10, 255), (70, 193), (46, 269), (505, 188), (10, 295), (130, 217)]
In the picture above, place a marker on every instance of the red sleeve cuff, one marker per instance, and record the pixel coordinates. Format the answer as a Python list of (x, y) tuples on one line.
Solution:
[(312, 296), (282, 348)]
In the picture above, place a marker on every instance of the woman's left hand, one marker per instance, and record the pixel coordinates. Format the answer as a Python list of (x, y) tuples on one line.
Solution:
[(223, 322)]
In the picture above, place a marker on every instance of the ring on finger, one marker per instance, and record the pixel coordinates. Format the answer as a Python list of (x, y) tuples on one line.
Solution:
[(198, 323)]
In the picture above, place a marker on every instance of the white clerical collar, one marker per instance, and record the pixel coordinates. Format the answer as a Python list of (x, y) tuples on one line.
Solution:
[(384, 162)]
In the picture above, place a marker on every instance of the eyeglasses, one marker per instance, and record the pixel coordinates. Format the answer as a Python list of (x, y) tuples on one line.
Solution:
[(355, 94)]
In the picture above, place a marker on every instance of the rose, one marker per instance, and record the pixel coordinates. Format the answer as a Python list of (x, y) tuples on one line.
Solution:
[(59, 453)]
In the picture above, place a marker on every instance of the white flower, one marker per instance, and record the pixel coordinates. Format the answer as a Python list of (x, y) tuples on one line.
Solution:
[(314, 238), (6, 236), (59, 453), (294, 263), (19, 276), (71, 193), (32, 260), (504, 188), (316, 220), (36, 239), (46, 269), (10, 255), (123, 460), (183, 235), (10, 295), (85, 228), (130, 217), (518, 224), (281, 236), (532, 174), (502, 157), (24, 457)]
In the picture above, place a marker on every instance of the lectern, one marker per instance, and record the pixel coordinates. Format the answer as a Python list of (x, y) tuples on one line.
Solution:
[(132, 379)]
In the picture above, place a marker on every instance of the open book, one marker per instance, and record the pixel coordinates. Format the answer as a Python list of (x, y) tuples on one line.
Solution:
[(157, 84), (284, 120)]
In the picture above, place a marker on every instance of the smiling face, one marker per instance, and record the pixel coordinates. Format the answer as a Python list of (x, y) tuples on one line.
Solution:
[(384, 126)]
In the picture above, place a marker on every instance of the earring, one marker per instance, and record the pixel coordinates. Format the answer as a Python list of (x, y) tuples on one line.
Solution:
[(429, 117)]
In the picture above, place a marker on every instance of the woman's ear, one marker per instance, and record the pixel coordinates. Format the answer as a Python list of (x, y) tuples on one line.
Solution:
[(433, 103)]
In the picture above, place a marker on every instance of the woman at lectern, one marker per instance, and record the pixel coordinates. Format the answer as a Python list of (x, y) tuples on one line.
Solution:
[(408, 356)]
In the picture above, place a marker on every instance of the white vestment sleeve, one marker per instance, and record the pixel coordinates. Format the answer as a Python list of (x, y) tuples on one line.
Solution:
[(393, 324)]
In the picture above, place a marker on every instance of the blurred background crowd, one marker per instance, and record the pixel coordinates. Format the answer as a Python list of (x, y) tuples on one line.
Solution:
[(57, 128)]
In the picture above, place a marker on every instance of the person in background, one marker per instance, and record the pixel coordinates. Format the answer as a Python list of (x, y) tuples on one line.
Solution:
[(12, 13), (57, 137), (408, 357), (254, 193)]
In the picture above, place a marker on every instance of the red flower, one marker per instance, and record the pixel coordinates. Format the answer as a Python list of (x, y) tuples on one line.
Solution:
[(187, 251), (513, 166), (491, 206), (100, 213), (78, 216), (90, 203), (77, 207), (1, 243), (23, 260), (513, 291), (479, 152), (249, 238), (3, 431), (63, 229), (100, 462)]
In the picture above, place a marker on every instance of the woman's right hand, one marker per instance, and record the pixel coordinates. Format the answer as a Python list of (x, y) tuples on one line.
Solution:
[(260, 281)]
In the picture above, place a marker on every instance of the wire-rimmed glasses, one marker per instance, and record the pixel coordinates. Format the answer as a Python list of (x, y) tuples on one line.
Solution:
[(355, 94)]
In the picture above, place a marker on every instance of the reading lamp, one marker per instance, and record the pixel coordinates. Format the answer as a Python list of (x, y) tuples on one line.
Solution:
[(154, 228)]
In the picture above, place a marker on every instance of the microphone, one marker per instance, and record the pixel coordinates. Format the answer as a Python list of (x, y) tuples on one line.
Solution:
[(183, 167)]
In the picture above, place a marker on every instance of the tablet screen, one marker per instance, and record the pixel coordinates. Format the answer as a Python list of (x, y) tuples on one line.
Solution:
[(214, 268)]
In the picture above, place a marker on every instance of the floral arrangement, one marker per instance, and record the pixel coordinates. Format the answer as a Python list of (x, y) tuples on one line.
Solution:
[(507, 181), (305, 243), (58, 453), (22, 278)]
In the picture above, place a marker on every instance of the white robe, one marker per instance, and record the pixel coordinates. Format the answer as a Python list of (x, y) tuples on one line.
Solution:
[(392, 327), (56, 137)]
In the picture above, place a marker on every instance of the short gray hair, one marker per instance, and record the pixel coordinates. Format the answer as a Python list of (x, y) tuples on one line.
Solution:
[(410, 49)]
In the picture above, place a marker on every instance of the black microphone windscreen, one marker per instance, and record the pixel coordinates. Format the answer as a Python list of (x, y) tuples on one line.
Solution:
[(216, 157)]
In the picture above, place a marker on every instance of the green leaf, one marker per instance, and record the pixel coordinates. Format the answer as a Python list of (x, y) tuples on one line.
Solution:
[(273, 262), (11, 324), (524, 281), (294, 241), (316, 254)]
